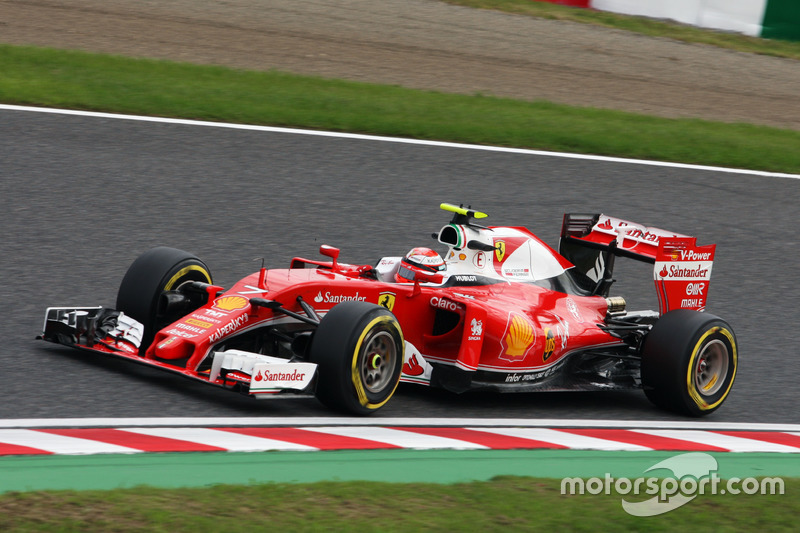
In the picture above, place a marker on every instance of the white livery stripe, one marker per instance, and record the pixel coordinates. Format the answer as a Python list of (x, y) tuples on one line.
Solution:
[(234, 442), (398, 437), (59, 444), (561, 438), (726, 442)]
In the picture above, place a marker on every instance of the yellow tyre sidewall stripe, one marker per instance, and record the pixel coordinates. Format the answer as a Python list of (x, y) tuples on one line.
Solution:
[(690, 384), (356, 375), (184, 271)]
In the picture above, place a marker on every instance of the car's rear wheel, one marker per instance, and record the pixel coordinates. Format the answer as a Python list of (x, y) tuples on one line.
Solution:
[(689, 362), (153, 273), (358, 348)]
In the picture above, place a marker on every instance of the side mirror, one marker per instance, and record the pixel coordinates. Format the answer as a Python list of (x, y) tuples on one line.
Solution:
[(428, 277), (425, 277), (332, 252)]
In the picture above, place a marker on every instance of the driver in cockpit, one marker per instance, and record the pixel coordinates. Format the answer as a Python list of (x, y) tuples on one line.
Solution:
[(419, 259)]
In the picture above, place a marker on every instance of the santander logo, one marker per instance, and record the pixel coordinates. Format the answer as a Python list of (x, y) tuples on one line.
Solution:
[(329, 297), (266, 375), (675, 271)]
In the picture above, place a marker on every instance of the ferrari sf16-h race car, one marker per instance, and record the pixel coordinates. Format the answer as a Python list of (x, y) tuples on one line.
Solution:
[(500, 311)]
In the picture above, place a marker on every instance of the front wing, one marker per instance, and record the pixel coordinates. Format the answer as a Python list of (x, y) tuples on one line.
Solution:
[(110, 332)]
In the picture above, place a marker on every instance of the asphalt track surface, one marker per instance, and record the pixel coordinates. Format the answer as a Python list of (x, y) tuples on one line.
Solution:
[(83, 196)]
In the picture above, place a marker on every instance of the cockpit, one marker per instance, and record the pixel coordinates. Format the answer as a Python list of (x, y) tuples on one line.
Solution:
[(482, 255), (504, 253)]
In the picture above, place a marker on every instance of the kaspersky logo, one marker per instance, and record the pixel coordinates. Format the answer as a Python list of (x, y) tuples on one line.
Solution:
[(518, 338)]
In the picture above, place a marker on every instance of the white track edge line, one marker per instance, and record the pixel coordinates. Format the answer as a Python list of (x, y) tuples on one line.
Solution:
[(400, 140), (383, 422)]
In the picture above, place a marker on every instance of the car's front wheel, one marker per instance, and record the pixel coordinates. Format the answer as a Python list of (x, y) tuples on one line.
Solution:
[(358, 348), (153, 273)]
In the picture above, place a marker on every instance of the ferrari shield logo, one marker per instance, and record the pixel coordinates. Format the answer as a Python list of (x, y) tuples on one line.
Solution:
[(386, 299), (500, 250)]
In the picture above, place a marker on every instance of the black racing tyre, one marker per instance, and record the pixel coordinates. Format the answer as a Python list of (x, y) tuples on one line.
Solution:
[(155, 271), (358, 348), (689, 362)]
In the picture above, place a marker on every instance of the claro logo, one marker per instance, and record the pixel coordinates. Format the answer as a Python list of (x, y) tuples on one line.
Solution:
[(448, 305)]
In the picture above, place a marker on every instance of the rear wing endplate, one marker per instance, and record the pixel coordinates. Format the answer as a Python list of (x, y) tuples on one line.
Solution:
[(682, 269)]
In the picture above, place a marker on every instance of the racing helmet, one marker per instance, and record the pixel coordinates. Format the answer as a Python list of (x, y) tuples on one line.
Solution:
[(419, 259)]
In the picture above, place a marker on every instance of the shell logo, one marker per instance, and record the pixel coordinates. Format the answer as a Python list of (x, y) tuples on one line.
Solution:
[(230, 303), (518, 338)]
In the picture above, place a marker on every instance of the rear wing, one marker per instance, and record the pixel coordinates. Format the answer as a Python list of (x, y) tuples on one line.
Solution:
[(681, 271)]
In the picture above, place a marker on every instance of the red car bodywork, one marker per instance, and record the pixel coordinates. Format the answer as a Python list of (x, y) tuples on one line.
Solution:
[(509, 313)]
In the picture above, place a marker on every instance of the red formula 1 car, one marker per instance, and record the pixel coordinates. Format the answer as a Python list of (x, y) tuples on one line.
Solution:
[(501, 311)]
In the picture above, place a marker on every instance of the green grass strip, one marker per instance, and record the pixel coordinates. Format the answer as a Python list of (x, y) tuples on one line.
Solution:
[(506, 504), (173, 470), (77, 80), (372, 490)]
